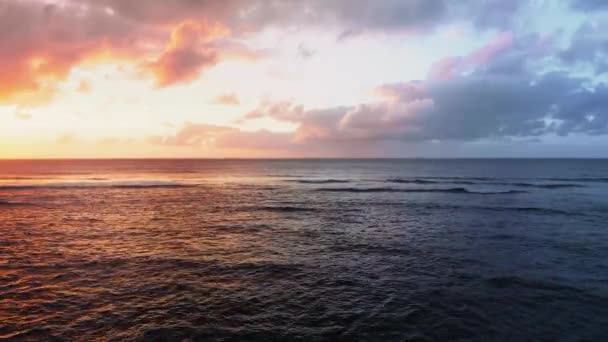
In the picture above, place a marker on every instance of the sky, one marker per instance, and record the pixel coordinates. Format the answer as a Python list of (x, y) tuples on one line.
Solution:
[(303, 78)]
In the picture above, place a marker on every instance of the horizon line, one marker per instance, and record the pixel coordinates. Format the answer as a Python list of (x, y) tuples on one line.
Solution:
[(297, 158)]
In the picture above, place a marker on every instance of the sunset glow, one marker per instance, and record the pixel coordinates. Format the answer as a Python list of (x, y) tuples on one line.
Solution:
[(303, 170), (109, 78)]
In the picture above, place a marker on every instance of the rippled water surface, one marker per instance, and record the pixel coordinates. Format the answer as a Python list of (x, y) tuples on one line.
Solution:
[(304, 250)]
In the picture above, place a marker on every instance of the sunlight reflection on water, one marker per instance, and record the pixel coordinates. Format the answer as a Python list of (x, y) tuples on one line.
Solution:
[(245, 252)]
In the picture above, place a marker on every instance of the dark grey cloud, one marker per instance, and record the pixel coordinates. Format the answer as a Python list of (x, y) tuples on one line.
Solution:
[(257, 14), (486, 13), (590, 5), (351, 16), (588, 47), (584, 111)]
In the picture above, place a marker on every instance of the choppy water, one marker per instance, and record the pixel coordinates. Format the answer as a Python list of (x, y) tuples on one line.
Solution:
[(304, 250)]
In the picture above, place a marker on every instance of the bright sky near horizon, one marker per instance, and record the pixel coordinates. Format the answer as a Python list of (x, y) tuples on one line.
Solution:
[(309, 78)]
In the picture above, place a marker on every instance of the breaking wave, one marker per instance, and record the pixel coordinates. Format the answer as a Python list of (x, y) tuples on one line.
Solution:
[(285, 209), (464, 182), (450, 191), (320, 181), (583, 179)]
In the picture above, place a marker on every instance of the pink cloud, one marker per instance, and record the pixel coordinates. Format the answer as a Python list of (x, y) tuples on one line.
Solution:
[(446, 68), (497, 45), (186, 55), (193, 135), (450, 67), (223, 137), (40, 43)]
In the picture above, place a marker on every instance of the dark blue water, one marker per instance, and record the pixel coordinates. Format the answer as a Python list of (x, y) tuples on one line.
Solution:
[(304, 250)]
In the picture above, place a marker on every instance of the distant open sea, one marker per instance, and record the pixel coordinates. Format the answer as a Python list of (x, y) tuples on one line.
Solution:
[(308, 250)]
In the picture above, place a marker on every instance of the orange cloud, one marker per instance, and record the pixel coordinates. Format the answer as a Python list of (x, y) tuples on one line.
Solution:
[(84, 86), (23, 82), (187, 53), (41, 42), (227, 99)]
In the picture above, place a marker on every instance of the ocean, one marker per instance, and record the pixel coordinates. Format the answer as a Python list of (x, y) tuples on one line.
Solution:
[(309, 250)]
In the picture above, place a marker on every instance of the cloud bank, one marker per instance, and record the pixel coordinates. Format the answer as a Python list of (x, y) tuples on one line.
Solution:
[(41, 41), (494, 92), (520, 84)]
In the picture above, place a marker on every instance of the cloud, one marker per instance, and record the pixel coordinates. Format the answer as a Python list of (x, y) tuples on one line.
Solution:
[(354, 17), (186, 55), (227, 140), (494, 92), (193, 135), (222, 137), (41, 42), (350, 15), (589, 47), (257, 140), (66, 139), (490, 13), (305, 52), (590, 5), (256, 15), (84, 86), (21, 115), (109, 141), (450, 67), (162, 12), (230, 99)]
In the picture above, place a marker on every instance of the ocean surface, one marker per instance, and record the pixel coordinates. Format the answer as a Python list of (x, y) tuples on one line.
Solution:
[(365, 250)]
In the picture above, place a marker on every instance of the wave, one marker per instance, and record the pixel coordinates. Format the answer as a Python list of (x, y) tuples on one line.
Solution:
[(320, 181), (537, 210), (438, 206), (85, 185), (463, 178), (136, 186), (7, 203), (286, 209), (461, 182), (413, 181), (284, 176), (583, 179), (450, 190), (542, 186), (426, 181)]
